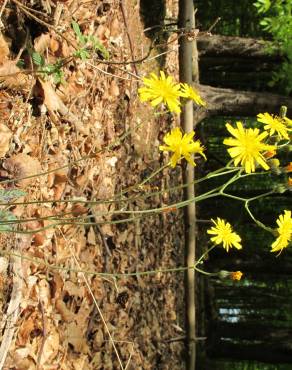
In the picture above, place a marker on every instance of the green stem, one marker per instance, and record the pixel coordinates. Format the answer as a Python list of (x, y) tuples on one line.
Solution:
[(118, 198), (72, 221), (260, 224), (205, 272), (108, 274)]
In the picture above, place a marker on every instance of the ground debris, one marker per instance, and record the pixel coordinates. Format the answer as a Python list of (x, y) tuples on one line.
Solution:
[(67, 133)]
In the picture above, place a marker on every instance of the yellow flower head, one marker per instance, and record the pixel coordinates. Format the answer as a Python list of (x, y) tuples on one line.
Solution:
[(224, 234), (181, 146), (236, 275), (190, 93), (161, 89), (247, 147), (288, 121), (284, 230), (289, 181), (274, 124)]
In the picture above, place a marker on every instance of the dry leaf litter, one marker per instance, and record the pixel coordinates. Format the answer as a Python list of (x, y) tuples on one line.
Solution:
[(60, 318)]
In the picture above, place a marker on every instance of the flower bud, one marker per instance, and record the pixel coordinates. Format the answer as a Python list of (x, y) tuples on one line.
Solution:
[(233, 275), (236, 275)]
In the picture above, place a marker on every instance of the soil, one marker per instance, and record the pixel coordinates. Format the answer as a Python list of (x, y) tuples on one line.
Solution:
[(78, 149)]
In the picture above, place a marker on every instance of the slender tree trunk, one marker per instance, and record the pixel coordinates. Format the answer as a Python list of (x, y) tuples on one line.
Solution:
[(186, 70)]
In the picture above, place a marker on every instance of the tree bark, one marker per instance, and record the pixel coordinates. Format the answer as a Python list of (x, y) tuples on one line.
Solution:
[(230, 46), (230, 102), (188, 72), (237, 62)]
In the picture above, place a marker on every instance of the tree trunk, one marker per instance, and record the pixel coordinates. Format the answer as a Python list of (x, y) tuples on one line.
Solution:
[(188, 72), (231, 46), (237, 62), (230, 102)]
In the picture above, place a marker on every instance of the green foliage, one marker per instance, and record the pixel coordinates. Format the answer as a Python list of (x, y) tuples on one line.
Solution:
[(262, 5), (88, 43), (38, 59), (4, 217), (277, 21), (7, 195), (236, 18), (49, 69), (20, 63)]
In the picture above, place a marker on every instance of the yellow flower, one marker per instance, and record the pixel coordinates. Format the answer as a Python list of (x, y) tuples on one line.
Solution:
[(161, 90), (181, 146), (247, 147), (236, 275), (190, 93), (288, 121), (224, 234), (274, 124), (289, 181), (284, 230)]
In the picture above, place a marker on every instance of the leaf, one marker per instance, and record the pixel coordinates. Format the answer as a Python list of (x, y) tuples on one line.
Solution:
[(98, 46), (38, 59), (20, 63), (11, 76), (5, 136), (82, 54), (78, 32), (42, 42), (8, 194), (54, 104), (4, 217), (22, 168)]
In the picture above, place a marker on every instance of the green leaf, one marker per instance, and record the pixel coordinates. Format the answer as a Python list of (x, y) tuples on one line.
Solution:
[(38, 59), (8, 194), (83, 54), (20, 63), (98, 46), (78, 32), (58, 77), (4, 217)]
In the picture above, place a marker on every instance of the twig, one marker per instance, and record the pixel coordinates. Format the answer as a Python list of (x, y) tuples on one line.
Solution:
[(95, 303), (45, 333), (49, 26), (213, 25), (128, 34), (3, 7), (14, 304)]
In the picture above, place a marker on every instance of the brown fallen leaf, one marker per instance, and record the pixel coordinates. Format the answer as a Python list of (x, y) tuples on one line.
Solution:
[(22, 165), (42, 42), (11, 76), (5, 136), (51, 347), (76, 338), (65, 313), (55, 104)]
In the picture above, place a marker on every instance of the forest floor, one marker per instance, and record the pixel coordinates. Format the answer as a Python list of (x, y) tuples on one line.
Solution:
[(88, 138)]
